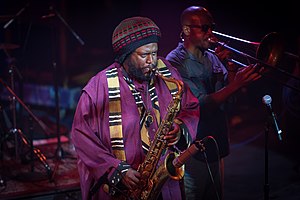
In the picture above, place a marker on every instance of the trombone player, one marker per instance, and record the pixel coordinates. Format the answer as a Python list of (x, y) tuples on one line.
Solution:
[(213, 81)]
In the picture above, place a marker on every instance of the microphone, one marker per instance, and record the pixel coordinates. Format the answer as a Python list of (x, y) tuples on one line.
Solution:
[(189, 152), (267, 100)]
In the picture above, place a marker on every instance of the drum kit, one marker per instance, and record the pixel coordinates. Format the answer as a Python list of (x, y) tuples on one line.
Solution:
[(9, 129), (12, 134)]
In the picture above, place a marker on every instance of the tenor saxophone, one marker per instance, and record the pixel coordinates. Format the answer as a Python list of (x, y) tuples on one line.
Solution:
[(153, 177)]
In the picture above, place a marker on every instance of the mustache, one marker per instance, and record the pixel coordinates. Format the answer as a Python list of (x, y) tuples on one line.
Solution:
[(151, 66)]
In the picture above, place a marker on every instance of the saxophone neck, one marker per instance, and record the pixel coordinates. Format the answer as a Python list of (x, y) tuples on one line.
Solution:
[(179, 83)]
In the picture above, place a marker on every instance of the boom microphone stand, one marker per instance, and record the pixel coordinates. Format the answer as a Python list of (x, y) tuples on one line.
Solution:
[(16, 16), (54, 13)]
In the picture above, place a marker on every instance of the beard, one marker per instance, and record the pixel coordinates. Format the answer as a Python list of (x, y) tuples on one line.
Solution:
[(138, 73)]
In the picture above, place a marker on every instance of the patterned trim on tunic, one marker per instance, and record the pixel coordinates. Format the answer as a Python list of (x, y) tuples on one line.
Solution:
[(115, 116), (142, 111)]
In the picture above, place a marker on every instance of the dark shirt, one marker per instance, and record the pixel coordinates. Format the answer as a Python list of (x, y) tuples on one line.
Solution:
[(205, 76)]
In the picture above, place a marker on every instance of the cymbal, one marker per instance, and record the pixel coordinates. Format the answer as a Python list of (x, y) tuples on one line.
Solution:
[(8, 46), (82, 78)]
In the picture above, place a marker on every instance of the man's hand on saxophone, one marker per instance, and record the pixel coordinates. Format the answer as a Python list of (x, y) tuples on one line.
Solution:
[(174, 135), (131, 178)]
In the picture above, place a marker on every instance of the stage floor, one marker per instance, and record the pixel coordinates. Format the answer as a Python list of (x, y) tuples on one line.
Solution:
[(244, 168), (50, 177)]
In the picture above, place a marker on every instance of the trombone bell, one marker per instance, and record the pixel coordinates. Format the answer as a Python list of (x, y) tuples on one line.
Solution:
[(269, 52), (271, 49)]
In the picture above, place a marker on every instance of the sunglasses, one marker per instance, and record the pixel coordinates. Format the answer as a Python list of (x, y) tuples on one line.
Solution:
[(204, 27)]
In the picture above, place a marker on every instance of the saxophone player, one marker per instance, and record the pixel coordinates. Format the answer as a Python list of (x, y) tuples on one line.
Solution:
[(122, 109)]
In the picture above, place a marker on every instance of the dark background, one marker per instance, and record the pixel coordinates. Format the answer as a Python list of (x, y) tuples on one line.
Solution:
[(50, 33), (45, 41)]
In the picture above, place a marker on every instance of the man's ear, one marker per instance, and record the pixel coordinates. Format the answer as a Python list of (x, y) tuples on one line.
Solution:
[(186, 30)]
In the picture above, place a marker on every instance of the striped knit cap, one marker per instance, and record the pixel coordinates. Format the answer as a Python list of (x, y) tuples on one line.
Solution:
[(132, 33)]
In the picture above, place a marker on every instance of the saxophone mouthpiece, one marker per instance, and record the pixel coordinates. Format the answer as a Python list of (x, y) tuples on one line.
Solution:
[(155, 71)]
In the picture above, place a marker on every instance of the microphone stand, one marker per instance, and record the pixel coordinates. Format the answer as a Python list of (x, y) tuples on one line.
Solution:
[(53, 12), (16, 15), (12, 69), (59, 153), (266, 185), (24, 139), (44, 127), (14, 112), (67, 25), (2, 137)]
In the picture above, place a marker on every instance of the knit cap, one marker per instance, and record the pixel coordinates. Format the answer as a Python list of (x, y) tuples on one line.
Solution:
[(132, 33)]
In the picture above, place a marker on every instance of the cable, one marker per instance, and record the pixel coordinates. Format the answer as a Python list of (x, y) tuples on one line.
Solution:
[(208, 167)]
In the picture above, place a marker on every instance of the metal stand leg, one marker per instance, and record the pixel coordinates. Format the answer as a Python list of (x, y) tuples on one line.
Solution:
[(266, 186), (19, 134)]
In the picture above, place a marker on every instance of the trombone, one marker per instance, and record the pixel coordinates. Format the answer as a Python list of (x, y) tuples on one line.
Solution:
[(268, 52)]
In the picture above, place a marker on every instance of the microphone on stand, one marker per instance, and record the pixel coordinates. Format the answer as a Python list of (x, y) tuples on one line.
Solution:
[(189, 152), (267, 100)]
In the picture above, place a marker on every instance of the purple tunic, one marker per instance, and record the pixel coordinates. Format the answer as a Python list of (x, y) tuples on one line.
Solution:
[(91, 136)]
